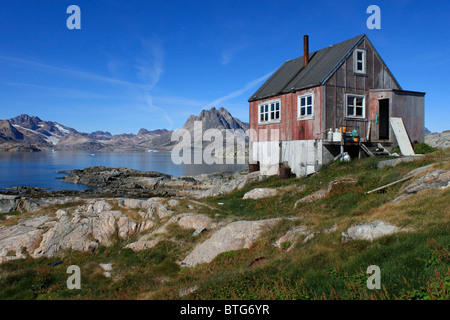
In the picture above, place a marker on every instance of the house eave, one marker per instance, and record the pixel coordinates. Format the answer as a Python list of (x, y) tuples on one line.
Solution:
[(291, 90)]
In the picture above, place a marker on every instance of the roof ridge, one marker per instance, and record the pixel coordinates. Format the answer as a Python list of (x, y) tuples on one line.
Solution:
[(345, 56), (294, 76)]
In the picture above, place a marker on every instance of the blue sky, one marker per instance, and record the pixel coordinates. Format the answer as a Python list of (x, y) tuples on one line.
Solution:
[(150, 63)]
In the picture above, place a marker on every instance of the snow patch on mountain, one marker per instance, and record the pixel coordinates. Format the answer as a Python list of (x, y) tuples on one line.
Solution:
[(53, 138)]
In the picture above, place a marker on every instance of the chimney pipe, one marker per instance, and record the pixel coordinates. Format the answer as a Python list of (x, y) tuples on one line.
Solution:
[(305, 50)]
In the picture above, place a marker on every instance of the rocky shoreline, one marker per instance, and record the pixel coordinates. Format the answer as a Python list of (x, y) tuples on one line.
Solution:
[(120, 182), (37, 223), (125, 183)]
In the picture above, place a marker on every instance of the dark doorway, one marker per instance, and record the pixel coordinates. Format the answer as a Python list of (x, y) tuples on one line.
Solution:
[(383, 119)]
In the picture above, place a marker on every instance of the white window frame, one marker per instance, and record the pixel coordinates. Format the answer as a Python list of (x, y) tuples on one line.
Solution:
[(354, 116), (305, 96), (271, 114), (356, 61)]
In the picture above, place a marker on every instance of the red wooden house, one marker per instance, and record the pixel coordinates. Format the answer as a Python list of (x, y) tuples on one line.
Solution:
[(346, 88)]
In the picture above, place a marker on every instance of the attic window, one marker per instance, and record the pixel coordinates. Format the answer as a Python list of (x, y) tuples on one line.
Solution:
[(359, 59), (269, 111), (305, 106), (355, 106)]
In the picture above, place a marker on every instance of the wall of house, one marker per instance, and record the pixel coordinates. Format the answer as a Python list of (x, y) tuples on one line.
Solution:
[(345, 81), (289, 128), (411, 107), (303, 156), (408, 105), (290, 141)]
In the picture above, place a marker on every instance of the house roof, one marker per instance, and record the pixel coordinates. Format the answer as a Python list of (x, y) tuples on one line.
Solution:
[(293, 76)]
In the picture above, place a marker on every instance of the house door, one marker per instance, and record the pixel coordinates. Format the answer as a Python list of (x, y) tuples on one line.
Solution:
[(383, 119)]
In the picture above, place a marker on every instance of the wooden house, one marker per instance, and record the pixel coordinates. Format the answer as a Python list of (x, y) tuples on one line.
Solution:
[(338, 99)]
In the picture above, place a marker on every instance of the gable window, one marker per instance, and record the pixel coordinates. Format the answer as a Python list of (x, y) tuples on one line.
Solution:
[(359, 59), (355, 106), (269, 111), (305, 106)]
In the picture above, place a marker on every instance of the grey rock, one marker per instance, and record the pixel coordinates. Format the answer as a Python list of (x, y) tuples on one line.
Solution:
[(173, 203), (320, 194), (435, 179), (438, 140), (260, 193), (312, 235), (370, 231), (144, 184), (107, 268), (234, 236), (394, 162), (22, 237), (191, 220), (144, 244), (198, 231), (292, 236)]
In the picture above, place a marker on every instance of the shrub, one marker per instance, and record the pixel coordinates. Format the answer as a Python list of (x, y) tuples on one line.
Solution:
[(422, 148)]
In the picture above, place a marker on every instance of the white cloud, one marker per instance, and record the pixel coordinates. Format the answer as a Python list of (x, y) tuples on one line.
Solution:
[(252, 84), (66, 92), (229, 53), (66, 72), (149, 64)]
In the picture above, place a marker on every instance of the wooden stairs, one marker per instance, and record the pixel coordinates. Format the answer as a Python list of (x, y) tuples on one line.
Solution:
[(373, 149)]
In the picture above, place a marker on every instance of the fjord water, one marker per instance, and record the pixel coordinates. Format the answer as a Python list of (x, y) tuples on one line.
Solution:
[(39, 169)]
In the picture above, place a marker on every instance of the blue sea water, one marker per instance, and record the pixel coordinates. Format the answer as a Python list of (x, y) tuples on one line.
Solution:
[(39, 169)]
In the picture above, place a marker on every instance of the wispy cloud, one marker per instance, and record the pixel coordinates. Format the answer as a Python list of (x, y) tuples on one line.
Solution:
[(149, 65), (67, 72), (229, 53), (251, 85), (148, 70), (147, 99), (65, 92)]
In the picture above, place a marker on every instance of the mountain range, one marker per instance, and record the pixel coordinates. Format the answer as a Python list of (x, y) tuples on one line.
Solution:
[(30, 133)]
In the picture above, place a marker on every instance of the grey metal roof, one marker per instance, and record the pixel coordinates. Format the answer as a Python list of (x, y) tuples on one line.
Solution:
[(293, 76)]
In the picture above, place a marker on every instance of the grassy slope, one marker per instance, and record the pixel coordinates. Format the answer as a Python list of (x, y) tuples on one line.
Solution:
[(414, 265)]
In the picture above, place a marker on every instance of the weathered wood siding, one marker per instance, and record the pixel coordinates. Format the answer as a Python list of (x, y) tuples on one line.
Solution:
[(346, 81), (408, 105), (289, 128)]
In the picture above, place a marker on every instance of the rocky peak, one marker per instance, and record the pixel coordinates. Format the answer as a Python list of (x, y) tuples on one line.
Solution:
[(215, 119), (8, 132), (101, 134), (26, 121)]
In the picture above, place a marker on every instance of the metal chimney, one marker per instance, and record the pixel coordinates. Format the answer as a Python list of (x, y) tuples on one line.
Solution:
[(305, 50)]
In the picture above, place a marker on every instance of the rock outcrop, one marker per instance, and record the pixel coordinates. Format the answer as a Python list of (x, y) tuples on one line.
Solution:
[(234, 236), (370, 231), (260, 193), (434, 179), (322, 193), (143, 184), (438, 140), (83, 229), (291, 237)]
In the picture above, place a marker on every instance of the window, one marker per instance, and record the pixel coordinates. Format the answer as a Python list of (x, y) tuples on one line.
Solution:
[(359, 59), (305, 106), (355, 106), (269, 111)]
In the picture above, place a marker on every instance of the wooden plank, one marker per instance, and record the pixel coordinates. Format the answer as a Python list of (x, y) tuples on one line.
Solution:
[(389, 184), (368, 131), (366, 150), (402, 136)]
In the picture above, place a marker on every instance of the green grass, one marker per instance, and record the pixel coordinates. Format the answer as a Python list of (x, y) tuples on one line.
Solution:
[(414, 265)]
